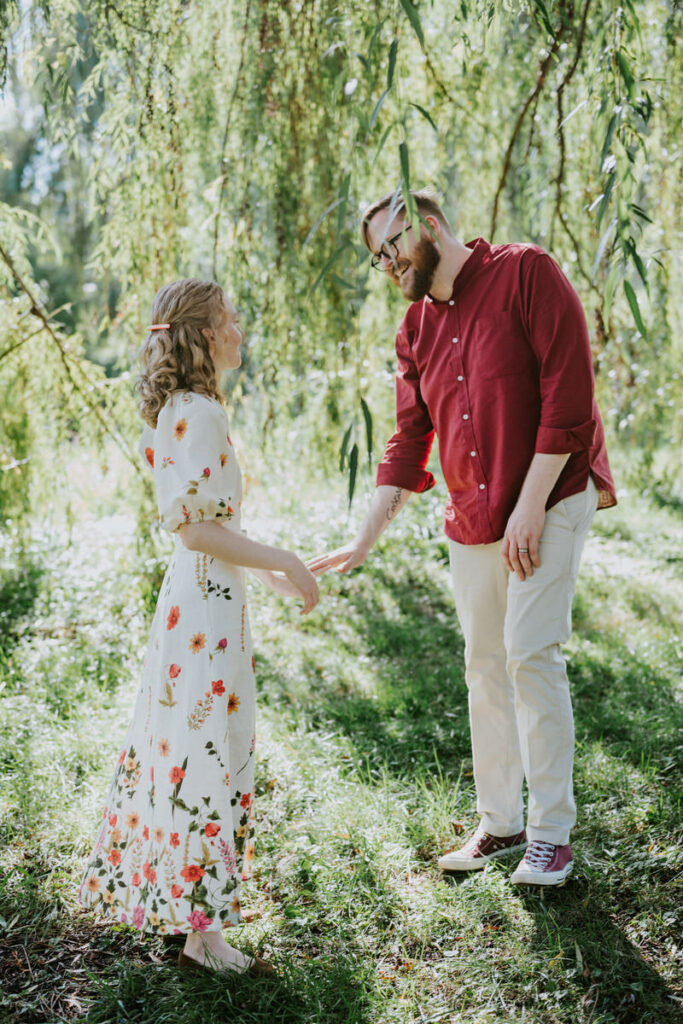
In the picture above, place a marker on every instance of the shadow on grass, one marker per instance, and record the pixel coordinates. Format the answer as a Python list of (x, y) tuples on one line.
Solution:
[(413, 715), (414, 711), (621, 987), (19, 591), (328, 991)]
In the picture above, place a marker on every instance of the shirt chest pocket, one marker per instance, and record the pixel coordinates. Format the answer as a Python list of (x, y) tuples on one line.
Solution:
[(497, 346)]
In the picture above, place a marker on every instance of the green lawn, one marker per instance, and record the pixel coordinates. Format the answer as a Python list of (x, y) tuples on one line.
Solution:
[(364, 779)]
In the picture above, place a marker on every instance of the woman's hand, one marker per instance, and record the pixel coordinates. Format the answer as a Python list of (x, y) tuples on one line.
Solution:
[(303, 582), (277, 582)]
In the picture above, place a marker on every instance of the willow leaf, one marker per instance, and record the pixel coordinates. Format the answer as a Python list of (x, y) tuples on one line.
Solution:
[(635, 308)]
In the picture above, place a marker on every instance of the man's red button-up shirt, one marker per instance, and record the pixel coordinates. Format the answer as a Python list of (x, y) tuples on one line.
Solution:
[(499, 371)]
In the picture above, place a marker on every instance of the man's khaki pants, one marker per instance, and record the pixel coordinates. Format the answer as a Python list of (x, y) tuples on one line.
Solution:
[(520, 710)]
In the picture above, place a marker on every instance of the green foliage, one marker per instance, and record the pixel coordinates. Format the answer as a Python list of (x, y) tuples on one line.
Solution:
[(241, 140)]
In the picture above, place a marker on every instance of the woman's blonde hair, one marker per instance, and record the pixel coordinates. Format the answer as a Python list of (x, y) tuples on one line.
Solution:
[(178, 358)]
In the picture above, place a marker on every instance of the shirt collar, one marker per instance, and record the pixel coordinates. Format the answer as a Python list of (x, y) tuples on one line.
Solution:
[(480, 251)]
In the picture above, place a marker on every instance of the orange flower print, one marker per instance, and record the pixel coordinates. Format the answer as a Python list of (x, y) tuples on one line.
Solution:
[(158, 835), (174, 671), (149, 455), (174, 840), (92, 885), (246, 800), (180, 429), (112, 820), (116, 835), (212, 829), (133, 820), (226, 780), (192, 873), (197, 642), (176, 891), (145, 832), (176, 774), (122, 757), (114, 857), (164, 747), (235, 905), (107, 897), (173, 617), (233, 703), (224, 458), (149, 872), (249, 853), (217, 687), (135, 880)]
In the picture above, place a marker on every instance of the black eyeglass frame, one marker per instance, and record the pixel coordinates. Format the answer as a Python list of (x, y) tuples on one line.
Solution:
[(377, 257)]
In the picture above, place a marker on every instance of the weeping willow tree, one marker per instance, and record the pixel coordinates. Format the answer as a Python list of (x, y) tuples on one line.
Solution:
[(241, 139)]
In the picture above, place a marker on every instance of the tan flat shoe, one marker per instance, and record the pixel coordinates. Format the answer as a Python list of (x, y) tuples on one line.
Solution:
[(258, 966)]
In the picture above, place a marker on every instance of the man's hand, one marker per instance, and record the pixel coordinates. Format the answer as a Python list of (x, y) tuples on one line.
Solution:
[(520, 543), (525, 525), (386, 504), (343, 559)]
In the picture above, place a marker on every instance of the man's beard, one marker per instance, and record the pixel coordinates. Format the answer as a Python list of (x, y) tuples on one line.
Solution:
[(417, 280)]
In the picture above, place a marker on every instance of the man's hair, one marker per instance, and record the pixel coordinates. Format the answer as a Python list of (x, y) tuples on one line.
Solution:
[(424, 199)]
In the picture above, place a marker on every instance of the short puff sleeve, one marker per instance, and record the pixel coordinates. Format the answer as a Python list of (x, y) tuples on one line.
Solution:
[(192, 462)]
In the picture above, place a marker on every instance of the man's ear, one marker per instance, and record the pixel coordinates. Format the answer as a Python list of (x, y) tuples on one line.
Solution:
[(435, 228)]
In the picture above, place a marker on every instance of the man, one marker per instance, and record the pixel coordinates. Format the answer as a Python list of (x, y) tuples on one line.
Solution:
[(493, 356)]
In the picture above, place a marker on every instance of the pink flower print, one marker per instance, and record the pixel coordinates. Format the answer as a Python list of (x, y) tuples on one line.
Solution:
[(199, 921), (122, 758), (124, 917), (223, 643), (228, 855), (206, 471), (138, 916)]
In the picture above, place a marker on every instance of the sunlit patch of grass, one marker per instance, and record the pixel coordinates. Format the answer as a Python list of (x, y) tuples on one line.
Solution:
[(364, 778)]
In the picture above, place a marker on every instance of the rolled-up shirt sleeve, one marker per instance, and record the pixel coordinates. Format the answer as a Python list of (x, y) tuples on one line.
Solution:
[(556, 328), (407, 451)]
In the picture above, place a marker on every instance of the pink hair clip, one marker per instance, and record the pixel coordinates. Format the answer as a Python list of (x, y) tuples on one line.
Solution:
[(159, 327)]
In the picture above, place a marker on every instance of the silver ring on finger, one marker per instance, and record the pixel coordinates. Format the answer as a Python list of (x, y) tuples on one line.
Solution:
[(523, 551)]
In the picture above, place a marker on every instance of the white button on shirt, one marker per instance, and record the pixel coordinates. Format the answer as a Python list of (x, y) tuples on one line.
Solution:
[(465, 416), (482, 486), (473, 454), (460, 377), (455, 341), (451, 302)]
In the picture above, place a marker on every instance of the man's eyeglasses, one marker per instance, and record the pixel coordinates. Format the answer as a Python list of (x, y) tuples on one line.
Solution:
[(376, 261)]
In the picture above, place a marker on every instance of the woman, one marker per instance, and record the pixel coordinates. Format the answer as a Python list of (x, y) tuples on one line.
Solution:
[(177, 830)]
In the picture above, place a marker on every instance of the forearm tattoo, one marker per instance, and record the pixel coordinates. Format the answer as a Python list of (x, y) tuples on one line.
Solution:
[(395, 504)]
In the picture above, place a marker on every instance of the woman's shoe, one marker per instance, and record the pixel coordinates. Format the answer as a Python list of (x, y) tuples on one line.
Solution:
[(258, 966)]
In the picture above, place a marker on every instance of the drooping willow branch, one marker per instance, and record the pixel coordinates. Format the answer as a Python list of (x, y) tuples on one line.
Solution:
[(38, 311), (531, 98), (226, 132), (559, 179)]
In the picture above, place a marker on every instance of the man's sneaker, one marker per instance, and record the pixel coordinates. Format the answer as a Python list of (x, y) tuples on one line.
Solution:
[(543, 864), (480, 849)]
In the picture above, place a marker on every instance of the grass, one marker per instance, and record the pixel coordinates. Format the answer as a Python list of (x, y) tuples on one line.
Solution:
[(364, 778)]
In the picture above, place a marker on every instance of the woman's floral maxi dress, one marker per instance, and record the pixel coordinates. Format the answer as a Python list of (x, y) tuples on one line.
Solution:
[(177, 829)]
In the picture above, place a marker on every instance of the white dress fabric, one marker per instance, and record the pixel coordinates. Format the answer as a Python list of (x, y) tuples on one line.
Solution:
[(177, 830)]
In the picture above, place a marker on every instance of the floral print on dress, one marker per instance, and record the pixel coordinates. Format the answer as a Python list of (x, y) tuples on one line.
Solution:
[(177, 831)]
